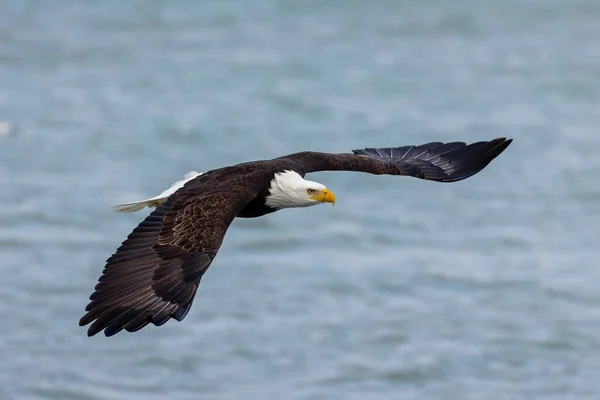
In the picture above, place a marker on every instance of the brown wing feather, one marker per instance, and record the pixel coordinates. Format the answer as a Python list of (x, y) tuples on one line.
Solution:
[(436, 161), (153, 276)]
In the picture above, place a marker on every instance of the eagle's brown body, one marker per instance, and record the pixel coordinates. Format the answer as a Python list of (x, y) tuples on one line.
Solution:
[(153, 276)]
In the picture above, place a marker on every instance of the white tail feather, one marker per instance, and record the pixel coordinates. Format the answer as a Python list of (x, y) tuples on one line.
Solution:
[(156, 200)]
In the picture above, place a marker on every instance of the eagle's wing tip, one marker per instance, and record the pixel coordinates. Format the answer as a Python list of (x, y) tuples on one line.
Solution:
[(504, 140)]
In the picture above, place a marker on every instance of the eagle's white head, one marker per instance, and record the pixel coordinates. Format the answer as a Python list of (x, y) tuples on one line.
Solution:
[(288, 189)]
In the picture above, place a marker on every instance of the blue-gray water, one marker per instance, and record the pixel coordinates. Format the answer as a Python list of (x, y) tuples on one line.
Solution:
[(483, 289)]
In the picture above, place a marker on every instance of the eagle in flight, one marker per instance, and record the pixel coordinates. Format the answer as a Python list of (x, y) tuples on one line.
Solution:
[(154, 275)]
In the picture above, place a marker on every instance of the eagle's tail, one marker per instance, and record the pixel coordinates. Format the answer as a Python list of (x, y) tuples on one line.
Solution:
[(156, 200)]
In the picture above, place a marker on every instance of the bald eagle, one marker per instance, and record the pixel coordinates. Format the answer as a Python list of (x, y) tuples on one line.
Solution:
[(153, 276)]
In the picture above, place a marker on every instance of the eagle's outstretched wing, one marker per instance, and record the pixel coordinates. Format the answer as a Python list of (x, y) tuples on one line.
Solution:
[(435, 161), (155, 273)]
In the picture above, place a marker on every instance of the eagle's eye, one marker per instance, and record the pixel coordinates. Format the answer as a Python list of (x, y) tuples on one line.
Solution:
[(310, 191)]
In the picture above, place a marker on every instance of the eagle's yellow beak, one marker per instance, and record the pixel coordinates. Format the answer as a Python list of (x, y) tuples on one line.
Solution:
[(325, 196)]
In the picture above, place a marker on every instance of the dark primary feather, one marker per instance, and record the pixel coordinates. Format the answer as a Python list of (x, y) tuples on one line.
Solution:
[(155, 273), (436, 161)]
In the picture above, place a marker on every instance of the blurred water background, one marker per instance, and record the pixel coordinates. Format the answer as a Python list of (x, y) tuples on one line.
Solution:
[(484, 289)]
